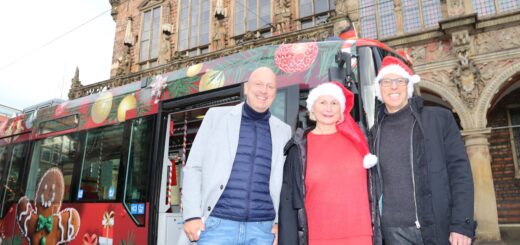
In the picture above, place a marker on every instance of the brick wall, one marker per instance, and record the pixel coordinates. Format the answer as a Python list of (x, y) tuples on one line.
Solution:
[(507, 187)]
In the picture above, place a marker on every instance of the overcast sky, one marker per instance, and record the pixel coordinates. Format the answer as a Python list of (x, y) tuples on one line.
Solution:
[(31, 73)]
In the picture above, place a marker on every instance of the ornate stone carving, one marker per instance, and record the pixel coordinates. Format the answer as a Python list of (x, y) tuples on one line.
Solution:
[(342, 25), (347, 8), (75, 86), (166, 50), (125, 62), (115, 6), (283, 16), (319, 35), (167, 30), (430, 52), (341, 7), (128, 41), (149, 3), (248, 36), (440, 77), (220, 36), (488, 70), (466, 77), (167, 27), (455, 7), (497, 40), (220, 11), (398, 8), (461, 42)]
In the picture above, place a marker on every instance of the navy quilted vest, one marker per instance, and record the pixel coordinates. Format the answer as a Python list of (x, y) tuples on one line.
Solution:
[(246, 196)]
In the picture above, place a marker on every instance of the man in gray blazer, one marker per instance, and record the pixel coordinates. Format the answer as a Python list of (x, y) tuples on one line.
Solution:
[(233, 176)]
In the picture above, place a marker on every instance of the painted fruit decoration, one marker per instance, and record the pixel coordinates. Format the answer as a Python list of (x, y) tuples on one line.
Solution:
[(128, 103), (101, 108), (295, 57), (211, 79), (194, 70), (46, 223)]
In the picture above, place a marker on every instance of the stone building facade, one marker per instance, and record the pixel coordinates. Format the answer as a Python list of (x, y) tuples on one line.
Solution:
[(466, 51)]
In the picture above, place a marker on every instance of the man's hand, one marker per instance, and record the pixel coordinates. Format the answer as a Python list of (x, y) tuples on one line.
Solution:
[(459, 239), (193, 228), (275, 231)]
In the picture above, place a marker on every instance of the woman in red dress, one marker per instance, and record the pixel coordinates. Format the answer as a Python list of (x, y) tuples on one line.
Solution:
[(324, 198)]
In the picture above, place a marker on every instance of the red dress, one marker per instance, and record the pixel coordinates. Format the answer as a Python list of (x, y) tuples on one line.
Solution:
[(336, 198)]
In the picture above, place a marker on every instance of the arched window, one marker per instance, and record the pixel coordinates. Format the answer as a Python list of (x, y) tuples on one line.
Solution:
[(252, 15), (193, 27)]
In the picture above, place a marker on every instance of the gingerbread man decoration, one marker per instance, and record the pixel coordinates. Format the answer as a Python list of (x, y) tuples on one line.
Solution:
[(45, 224)]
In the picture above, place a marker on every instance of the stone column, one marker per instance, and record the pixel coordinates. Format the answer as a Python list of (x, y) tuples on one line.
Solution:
[(477, 146)]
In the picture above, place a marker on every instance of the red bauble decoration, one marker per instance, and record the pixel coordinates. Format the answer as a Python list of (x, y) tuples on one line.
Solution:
[(295, 57)]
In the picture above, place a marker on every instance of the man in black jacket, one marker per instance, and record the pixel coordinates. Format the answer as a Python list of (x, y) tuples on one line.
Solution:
[(422, 187)]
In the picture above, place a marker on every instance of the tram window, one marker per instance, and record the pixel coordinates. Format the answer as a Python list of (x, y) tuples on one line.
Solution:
[(3, 163), (278, 107), (59, 124), (303, 114), (14, 176), (61, 152), (100, 168), (138, 160)]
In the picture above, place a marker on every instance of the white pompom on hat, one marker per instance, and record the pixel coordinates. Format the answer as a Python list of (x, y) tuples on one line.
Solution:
[(326, 89), (393, 65)]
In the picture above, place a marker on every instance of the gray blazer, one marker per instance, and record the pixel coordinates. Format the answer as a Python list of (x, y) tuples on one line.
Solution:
[(209, 164)]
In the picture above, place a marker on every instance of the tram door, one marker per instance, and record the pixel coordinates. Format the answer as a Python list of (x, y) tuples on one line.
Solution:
[(182, 125)]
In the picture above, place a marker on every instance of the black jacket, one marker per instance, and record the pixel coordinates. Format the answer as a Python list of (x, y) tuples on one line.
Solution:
[(442, 175), (292, 219)]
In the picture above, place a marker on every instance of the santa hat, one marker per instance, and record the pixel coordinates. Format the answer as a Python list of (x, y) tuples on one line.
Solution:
[(326, 89), (348, 127), (393, 65)]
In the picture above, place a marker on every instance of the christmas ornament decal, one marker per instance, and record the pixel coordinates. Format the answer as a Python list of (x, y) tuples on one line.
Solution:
[(128, 103), (194, 70), (295, 57), (101, 108)]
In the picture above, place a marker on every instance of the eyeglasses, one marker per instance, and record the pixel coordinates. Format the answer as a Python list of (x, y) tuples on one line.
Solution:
[(387, 82)]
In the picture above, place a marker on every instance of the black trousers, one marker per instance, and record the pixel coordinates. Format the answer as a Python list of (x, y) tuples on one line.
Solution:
[(402, 236)]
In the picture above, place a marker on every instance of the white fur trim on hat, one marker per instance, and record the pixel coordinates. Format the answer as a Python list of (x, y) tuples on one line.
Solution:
[(326, 89), (397, 70), (369, 160)]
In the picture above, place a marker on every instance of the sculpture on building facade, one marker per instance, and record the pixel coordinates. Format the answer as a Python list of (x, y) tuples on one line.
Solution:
[(466, 75), (220, 36), (167, 31), (341, 7), (283, 16)]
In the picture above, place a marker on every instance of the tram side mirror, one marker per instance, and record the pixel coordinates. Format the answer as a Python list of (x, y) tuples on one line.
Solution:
[(343, 72)]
